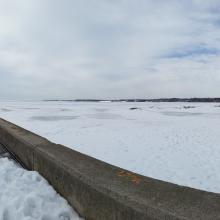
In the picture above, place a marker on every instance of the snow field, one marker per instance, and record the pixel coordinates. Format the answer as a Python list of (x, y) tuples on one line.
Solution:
[(174, 142)]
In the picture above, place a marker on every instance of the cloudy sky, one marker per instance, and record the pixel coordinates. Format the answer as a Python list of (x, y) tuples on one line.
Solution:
[(109, 48)]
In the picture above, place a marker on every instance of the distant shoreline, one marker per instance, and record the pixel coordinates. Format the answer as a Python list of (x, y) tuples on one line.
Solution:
[(138, 100)]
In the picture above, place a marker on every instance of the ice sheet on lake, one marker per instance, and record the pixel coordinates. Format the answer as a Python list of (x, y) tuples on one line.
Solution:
[(176, 142)]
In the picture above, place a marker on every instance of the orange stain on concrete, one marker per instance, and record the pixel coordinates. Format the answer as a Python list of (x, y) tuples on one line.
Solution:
[(131, 176)]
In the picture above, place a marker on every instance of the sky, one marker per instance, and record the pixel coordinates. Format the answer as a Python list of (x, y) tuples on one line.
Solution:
[(52, 49)]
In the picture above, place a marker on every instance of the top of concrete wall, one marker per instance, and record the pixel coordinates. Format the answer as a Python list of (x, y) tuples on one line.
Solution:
[(101, 191)]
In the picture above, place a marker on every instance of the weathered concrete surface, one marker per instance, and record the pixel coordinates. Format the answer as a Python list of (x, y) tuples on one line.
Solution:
[(4, 153), (1, 149), (99, 191)]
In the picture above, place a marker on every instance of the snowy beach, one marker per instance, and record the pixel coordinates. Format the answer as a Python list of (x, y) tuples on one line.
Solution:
[(175, 142)]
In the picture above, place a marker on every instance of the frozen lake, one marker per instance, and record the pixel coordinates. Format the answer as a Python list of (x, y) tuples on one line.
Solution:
[(175, 142)]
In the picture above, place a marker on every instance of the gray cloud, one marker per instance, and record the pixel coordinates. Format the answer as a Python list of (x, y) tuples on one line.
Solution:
[(109, 49)]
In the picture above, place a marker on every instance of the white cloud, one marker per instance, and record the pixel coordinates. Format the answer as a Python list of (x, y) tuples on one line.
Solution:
[(109, 49)]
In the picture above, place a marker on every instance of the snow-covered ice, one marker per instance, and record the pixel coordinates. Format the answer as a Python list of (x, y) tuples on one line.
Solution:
[(175, 142), (25, 195)]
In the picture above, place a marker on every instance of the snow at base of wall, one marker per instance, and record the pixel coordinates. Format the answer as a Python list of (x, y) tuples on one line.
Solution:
[(25, 195)]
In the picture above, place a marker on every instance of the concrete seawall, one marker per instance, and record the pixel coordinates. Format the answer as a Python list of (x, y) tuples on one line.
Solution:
[(99, 191)]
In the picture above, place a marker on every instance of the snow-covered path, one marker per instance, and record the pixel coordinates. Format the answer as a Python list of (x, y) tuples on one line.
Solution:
[(25, 195), (175, 142)]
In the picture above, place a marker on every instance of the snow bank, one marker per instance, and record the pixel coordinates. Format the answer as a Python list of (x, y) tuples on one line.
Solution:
[(25, 195)]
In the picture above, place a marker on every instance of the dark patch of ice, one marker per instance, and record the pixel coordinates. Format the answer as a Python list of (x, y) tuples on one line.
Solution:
[(5, 110), (134, 108), (53, 118), (104, 116), (187, 107), (30, 108), (65, 110), (181, 113), (101, 109)]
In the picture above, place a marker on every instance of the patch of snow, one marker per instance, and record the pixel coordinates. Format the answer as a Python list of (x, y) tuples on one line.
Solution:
[(25, 195)]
